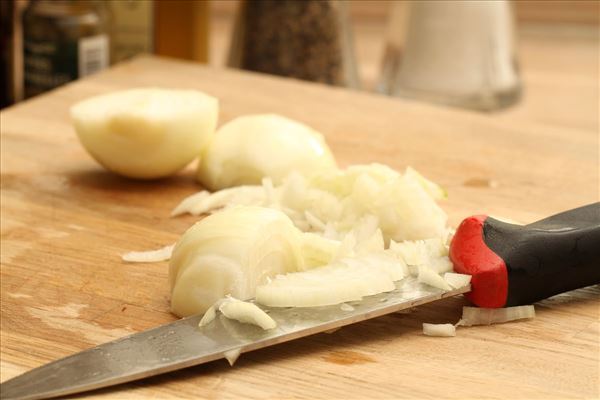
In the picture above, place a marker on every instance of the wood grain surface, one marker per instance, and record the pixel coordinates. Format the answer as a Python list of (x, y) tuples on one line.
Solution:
[(65, 222)]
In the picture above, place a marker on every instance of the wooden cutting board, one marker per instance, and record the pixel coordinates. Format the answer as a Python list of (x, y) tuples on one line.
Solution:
[(65, 222)]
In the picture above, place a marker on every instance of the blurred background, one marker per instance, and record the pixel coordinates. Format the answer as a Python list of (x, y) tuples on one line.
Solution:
[(538, 57)]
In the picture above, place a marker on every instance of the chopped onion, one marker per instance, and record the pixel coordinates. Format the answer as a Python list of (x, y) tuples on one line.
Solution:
[(440, 265), (189, 203), (209, 316), (318, 251), (419, 252), (232, 355), (429, 277), (247, 313), (205, 202), (241, 311), (337, 201), (314, 222), (270, 196), (162, 254), (487, 316), (457, 280), (346, 307), (444, 330), (434, 190), (345, 280)]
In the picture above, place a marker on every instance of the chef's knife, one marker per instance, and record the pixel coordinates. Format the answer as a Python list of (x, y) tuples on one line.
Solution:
[(183, 344), (510, 264)]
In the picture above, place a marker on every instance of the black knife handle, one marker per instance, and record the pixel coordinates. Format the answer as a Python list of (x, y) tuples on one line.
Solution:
[(521, 264)]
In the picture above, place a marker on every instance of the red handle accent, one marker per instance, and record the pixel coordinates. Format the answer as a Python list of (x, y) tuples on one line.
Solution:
[(470, 255)]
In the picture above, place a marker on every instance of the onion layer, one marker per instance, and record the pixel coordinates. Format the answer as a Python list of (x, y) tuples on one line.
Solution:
[(231, 252)]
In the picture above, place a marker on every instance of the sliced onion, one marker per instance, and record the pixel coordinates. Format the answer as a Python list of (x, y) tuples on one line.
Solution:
[(204, 202), (318, 251), (247, 313), (345, 280), (429, 277), (162, 254), (188, 204), (231, 252), (487, 316), (210, 315), (443, 330), (457, 280)]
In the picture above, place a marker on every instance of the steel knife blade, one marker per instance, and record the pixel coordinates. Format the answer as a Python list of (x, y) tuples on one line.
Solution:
[(182, 343)]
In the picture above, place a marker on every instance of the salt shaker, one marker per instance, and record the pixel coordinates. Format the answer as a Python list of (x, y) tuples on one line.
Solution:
[(307, 40), (459, 53)]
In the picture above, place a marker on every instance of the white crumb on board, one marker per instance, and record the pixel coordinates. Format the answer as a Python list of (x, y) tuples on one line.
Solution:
[(232, 355), (19, 295)]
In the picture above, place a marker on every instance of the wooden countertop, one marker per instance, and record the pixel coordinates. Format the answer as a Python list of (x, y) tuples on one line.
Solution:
[(65, 222)]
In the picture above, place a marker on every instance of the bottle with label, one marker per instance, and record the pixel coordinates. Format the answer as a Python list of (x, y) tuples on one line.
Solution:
[(63, 40)]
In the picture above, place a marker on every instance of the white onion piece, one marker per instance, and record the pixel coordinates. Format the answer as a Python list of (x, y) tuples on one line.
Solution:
[(252, 147), (434, 190), (318, 251), (440, 265), (209, 316), (231, 252), (487, 316), (335, 202), (346, 307), (246, 313), (442, 330), (418, 252), (232, 355), (457, 280), (146, 133), (314, 222), (187, 205), (429, 277), (162, 254), (205, 202), (345, 280)]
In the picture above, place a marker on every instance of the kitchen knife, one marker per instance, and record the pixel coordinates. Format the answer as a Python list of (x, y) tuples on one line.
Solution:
[(182, 343), (513, 264), (510, 265)]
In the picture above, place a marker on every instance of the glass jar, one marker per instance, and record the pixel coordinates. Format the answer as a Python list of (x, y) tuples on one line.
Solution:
[(459, 53), (309, 40), (63, 40)]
